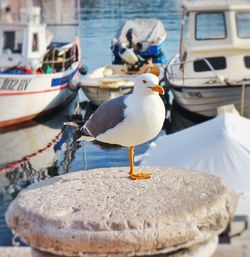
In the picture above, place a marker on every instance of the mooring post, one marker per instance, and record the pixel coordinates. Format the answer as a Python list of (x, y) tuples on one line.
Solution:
[(102, 212)]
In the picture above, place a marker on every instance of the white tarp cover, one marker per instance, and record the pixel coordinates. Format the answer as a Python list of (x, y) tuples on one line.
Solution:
[(150, 30), (220, 146)]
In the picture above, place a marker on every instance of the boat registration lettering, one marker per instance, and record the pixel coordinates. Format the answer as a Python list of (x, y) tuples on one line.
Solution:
[(14, 84), (195, 94)]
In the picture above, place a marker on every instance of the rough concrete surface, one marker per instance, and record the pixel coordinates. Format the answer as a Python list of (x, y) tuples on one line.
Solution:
[(102, 212), (205, 249), (15, 251)]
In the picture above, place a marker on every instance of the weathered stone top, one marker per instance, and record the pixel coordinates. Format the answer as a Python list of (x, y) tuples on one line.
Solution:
[(103, 212)]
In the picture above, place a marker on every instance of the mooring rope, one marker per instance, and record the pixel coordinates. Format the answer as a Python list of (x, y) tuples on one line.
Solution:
[(243, 94)]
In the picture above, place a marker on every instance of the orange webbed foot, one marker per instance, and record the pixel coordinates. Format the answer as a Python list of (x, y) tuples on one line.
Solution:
[(139, 176)]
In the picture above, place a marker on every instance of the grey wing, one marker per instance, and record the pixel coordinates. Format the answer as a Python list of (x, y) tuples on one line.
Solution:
[(107, 116)]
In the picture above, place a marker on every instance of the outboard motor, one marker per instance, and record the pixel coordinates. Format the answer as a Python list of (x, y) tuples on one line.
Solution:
[(128, 56), (129, 53)]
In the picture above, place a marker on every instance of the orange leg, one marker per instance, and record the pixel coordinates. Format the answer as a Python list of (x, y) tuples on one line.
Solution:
[(132, 173)]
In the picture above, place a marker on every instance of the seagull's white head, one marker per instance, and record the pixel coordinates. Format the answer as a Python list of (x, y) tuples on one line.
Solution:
[(147, 83)]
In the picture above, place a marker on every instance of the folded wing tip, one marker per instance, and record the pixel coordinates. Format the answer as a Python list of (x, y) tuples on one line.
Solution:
[(70, 123), (85, 138)]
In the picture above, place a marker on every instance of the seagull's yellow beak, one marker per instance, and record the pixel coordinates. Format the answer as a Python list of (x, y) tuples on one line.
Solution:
[(158, 89)]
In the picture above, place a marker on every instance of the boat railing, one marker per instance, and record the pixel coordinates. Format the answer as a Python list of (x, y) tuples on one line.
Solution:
[(60, 62), (171, 74)]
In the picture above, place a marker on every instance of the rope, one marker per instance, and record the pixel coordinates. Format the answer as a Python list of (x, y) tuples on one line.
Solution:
[(243, 94), (85, 156)]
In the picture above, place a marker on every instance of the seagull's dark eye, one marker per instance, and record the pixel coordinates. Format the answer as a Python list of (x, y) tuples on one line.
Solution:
[(144, 81)]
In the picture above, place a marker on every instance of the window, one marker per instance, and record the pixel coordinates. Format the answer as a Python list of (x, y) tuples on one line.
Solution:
[(218, 63), (12, 40), (9, 40), (35, 42), (243, 25), (247, 61), (210, 26)]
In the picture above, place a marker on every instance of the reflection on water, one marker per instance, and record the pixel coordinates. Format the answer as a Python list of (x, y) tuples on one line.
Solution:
[(30, 153), (44, 148), (180, 119)]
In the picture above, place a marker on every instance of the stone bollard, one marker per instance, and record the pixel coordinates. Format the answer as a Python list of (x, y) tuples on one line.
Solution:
[(103, 213)]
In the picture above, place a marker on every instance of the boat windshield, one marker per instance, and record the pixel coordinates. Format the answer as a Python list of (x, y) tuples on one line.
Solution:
[(243, 24), (210, 26)]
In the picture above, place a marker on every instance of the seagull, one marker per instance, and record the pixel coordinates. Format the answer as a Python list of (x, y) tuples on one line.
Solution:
[(128, 120)]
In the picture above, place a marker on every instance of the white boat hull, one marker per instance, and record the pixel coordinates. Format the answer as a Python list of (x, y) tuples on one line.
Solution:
[(98, 96), (24, 97), (205, 100), (111, 81), (106, 83)]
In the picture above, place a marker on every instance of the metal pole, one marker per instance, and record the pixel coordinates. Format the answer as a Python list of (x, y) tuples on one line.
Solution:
[(243, 93)]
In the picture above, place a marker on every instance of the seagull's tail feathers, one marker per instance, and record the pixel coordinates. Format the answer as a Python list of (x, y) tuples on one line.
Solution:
[(85, 138), (81, 134)]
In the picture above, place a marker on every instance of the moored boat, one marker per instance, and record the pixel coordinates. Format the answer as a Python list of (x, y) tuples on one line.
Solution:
[(36, 67), (111, 81), (212, 67), (137, 48)]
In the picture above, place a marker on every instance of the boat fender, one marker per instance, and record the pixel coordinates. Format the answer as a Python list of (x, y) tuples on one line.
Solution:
[(107, 72), (83, 69), (74, 85), (221, 78)]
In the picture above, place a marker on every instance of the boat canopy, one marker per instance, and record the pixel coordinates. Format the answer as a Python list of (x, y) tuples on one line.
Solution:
[(220, 146), (149, 30), (212, 5)]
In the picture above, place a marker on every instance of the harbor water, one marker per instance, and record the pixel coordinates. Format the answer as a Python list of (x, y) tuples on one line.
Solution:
[(43, 148)]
